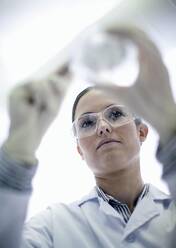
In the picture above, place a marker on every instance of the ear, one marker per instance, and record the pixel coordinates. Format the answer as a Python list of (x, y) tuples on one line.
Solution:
[(79, 151), (142, 132)]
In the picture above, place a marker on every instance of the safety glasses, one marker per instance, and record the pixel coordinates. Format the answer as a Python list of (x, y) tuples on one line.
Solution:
[(115, 115)]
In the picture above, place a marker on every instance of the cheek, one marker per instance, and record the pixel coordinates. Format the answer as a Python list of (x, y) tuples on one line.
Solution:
[(87, 146), (133, 144), (130, 137)]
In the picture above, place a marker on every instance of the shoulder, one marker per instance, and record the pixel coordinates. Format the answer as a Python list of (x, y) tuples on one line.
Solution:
[(156, 193), (161, 198), (90, 198)]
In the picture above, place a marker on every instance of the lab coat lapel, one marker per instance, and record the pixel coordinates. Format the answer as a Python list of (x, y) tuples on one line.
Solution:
[(146, 210)]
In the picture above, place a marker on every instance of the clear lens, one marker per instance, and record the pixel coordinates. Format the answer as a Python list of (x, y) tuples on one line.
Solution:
[(85, 125), (117, 115)]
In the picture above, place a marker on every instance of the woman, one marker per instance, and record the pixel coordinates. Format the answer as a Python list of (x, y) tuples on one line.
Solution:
[(121, 210)]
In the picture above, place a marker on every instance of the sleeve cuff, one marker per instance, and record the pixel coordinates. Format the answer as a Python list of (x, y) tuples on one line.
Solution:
[(15, 174), (166, 154)]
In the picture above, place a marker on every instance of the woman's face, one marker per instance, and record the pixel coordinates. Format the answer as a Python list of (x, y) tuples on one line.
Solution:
[(109, 149)]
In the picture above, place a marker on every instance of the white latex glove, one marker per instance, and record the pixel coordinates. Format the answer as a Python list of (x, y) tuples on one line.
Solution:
[(151, 95), (32, 108)]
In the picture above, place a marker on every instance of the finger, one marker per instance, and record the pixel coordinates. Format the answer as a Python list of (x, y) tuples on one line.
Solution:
[(144, 44), (22, 96), (150, 61), (28, 97), (58, 85), (64, 70), (128, 96), (48, 98), (117, 93), (34, 95)]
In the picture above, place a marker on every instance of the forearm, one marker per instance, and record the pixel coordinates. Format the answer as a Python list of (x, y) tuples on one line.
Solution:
[(15, 191), (166, 154)]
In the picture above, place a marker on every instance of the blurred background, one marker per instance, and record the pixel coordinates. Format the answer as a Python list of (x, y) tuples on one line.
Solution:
[(33, 34)]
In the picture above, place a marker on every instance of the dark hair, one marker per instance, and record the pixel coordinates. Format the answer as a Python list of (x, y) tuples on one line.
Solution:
[(82, 93), (137, 119)]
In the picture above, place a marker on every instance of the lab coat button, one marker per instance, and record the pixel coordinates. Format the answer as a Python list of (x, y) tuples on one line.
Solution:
[(131, 238)]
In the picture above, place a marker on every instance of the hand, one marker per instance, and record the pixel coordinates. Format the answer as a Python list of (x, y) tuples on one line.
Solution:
[(151, 95), (32, 108)]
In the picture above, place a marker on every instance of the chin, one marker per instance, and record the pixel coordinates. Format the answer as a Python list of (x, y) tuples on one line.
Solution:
[(114, 163), (112, 156), (110, 164)]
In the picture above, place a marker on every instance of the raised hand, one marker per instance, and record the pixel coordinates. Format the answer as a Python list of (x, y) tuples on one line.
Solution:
[(32, 108), (150, 97)]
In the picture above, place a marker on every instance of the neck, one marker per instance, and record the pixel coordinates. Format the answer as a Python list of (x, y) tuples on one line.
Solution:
[(125, 185)]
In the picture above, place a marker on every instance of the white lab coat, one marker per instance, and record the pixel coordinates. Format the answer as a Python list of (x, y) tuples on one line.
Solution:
[(93, 223)]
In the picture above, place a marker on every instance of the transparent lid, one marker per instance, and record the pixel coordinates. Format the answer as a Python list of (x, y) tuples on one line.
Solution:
[(105, 58)]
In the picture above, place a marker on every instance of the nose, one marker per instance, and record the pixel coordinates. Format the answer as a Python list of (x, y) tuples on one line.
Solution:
[(103, 128)]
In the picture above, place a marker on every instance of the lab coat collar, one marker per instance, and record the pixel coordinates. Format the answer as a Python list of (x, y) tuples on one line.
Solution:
[(155, 194), (145, 210), (91, 196), (103, 205)]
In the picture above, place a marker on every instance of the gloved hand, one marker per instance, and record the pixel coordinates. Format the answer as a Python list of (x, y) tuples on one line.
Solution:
[(32, 108), (151, 95)]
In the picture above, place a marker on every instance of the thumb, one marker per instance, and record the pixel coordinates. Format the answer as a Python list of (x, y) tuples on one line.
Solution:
[(128, 96), (118, 93)]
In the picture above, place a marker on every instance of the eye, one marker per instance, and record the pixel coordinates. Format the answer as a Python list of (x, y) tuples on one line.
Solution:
[(115, 114), (87, 122)]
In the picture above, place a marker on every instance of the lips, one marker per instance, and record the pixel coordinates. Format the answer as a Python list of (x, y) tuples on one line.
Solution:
[(106, 141)]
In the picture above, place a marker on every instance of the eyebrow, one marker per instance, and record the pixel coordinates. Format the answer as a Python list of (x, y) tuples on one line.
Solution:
[(98, 111)]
